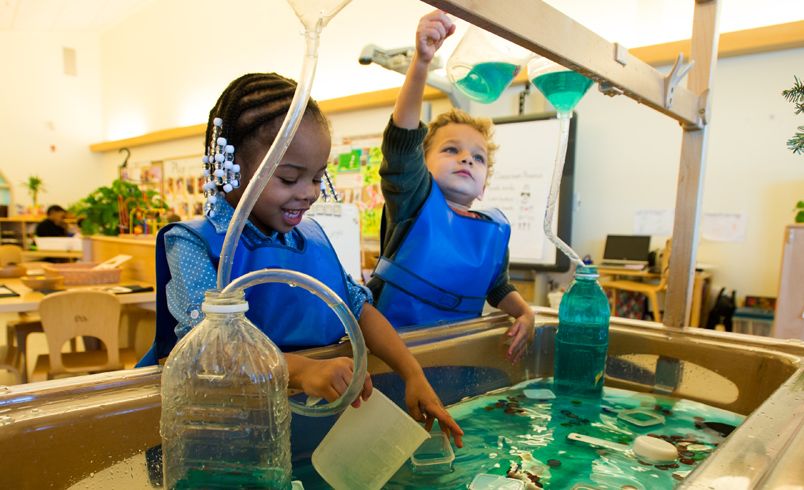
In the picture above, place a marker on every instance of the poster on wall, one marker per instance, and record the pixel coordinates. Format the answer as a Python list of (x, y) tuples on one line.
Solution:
[(355, 171), (183, 186)]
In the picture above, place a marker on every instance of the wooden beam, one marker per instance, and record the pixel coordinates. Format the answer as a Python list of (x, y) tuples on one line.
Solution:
[(689, 194), (546, 31)]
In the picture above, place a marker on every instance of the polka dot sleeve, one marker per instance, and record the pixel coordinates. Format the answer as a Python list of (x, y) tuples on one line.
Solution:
[(192, 274)]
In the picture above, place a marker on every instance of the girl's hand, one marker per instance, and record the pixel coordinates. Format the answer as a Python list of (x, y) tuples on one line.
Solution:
[(425, 406), (329, 378), (433, 28), (520, 334)]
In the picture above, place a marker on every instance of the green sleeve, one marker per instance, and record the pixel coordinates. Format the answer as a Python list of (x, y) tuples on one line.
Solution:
[(502, 285), (405, 181)]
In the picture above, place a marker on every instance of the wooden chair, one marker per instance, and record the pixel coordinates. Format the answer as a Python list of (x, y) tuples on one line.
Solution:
[(70, 314), (9, 356), (10, 254), (650, 290)]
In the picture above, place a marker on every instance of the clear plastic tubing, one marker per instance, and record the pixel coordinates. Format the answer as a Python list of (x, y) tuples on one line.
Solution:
[(271, 159), (314, 15), (346, 317), (552, 198)]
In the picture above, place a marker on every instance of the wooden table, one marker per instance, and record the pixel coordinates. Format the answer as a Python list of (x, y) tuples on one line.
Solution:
[(28, 299), (699, 286), (28, 302)]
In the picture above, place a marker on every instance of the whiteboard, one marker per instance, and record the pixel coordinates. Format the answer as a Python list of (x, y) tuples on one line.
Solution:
[(341, 223), (520, 183)]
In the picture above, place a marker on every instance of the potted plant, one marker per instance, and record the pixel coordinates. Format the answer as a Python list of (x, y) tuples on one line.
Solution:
[(99, 212), (796, 143), (35, 185)]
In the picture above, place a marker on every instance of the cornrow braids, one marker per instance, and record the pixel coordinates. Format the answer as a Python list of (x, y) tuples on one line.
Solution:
[(251, 102)]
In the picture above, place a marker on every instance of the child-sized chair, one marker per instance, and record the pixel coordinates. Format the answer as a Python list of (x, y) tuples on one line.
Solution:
[(70, 314)]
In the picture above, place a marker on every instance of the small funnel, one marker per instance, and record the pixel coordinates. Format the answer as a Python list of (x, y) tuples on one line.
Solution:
[(315, 14)]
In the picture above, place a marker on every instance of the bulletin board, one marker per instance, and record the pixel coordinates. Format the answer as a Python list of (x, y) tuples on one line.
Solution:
[(183, 185), (341, 223), (520, 183)]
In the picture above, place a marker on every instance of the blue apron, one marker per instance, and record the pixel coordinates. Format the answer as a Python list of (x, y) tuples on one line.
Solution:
[(291, 317), (445, 266)]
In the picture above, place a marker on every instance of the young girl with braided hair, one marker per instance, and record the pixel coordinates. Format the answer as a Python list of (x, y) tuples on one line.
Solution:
[(243, 124)]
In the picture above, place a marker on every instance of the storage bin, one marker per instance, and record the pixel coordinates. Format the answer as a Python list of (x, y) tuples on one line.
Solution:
[(753, 321)]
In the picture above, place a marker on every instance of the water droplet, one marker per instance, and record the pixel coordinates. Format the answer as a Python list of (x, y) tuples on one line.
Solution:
[(6, 420), (292, 284)]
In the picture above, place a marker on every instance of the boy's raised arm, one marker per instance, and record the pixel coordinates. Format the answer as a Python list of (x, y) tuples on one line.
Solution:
[(431, 32)]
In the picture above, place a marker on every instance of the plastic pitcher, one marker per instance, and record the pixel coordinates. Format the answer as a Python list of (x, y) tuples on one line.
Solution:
[(367, 445), (483, 65)]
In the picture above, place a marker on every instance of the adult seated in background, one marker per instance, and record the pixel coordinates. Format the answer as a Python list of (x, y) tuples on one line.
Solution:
[(54, 224)]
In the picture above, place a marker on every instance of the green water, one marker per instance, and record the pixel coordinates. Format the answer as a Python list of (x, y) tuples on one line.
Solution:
[(270, 478), (485, 82), (505, 429), (582, 338), (563, 88)]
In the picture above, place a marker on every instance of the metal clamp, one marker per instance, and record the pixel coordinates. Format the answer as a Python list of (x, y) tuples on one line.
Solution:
[(608, 89), (677, 73)]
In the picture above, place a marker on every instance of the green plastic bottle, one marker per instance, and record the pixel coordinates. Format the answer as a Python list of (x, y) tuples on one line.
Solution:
[(582, 339)]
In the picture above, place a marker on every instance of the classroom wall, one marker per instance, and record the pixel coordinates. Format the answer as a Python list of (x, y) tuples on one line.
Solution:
[(627, 155), (49, 118)]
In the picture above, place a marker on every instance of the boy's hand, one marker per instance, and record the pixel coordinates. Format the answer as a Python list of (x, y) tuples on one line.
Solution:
[(425, 406), (520, 334), (328, 379), (433, 28)]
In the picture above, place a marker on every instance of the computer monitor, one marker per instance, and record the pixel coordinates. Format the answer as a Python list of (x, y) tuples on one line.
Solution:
[(626, 249)]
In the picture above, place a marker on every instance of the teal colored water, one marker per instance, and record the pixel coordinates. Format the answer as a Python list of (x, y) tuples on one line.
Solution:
[(582, 338), (564, 89), (271, 478), (504, 429), (485, 82)]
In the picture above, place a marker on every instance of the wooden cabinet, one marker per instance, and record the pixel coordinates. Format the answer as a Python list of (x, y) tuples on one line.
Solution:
[(19, 230), (789, 319)]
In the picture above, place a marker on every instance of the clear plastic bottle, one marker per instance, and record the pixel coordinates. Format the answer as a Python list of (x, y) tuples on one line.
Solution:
[(583, 336), (225, 415)]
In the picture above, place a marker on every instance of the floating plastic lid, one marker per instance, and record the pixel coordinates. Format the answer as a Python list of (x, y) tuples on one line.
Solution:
[(435, 455), (654, 450), (484, 481), (641, 418)]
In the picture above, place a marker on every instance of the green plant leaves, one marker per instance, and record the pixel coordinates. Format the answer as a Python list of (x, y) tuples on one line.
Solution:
[(100, 209)]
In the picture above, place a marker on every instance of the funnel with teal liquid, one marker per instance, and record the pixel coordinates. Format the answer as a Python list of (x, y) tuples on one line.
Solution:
[(563, 88)]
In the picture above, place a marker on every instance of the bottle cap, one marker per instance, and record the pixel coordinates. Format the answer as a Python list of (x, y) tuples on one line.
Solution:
[(230, 308), (587, 271)]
